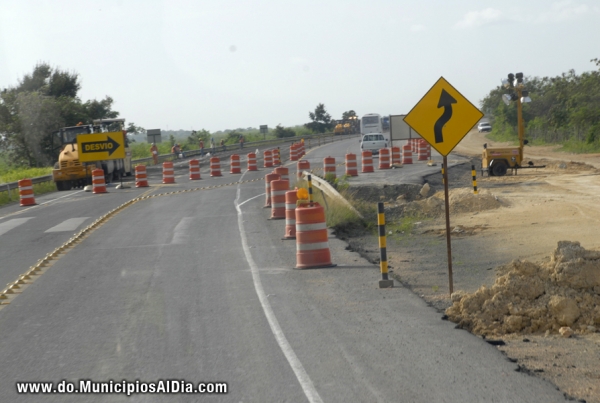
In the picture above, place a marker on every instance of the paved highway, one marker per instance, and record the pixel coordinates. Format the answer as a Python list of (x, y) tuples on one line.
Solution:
[(199, 286)]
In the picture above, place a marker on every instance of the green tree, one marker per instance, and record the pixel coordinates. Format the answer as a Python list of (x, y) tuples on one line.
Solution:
[(349, 115), (281, 132), (197, 135), (321, 120), (41, 103)]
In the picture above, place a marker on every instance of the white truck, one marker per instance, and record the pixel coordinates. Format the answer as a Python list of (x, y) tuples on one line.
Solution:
[(373, 142)]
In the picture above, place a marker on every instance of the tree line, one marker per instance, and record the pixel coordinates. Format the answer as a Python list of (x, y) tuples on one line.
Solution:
[(41, 103), (563, 109), (47, 99)]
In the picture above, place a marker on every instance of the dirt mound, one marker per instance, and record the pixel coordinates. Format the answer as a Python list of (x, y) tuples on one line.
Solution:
[(566, 166), (461, 200), (533, 298)]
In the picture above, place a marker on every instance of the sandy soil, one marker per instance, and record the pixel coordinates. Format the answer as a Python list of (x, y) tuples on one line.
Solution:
[(514, 217)]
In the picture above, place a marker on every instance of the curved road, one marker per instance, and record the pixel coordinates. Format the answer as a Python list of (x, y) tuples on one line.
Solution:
[(199, 286)]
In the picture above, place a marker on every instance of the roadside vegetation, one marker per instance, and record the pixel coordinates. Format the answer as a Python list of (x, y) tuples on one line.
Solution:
[(564, 110)]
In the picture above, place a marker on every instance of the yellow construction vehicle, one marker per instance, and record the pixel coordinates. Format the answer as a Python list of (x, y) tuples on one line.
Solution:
[(70, 173), (497, 160)]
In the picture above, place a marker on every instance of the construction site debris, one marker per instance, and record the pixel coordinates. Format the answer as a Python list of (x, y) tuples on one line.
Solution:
[(563, 291)]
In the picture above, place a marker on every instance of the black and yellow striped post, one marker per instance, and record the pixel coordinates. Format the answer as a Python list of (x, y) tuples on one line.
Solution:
[(474, 175), (385, 282), (310, 191), (443, 175)]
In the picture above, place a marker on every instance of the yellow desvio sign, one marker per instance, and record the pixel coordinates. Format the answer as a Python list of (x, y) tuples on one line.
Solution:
[(443, 117), (101, 146)]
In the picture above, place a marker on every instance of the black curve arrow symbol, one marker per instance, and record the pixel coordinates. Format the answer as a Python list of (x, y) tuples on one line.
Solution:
[(446, 100)]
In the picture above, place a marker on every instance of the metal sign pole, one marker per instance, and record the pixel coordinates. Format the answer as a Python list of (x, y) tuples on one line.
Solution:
[(448, 240)]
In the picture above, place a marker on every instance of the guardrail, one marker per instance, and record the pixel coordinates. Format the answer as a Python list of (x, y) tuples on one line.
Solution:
[(7, 187)]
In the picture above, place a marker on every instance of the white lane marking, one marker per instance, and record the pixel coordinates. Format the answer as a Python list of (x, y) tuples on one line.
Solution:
[(10, 224), (180, 231), (68, 225), (305, 382), (252, 198), (58, 198)]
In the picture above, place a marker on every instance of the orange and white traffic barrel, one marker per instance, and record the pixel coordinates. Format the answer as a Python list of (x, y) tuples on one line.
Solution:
[(284, 172), (414, 146), (26, 193), (278, 189), (301, 150), (329, 166), (141, 179), (406, 154), (422, 155), (291, 197), (234, 161), (194, 169), (384, 158), (312, 243), (276, 157), (268, 179), (168, 172), (294, 152), (351, 165), (367, 161), (396, 156), (302, 165), (215, 166), (252, 162), (98, 183), (267, 158)]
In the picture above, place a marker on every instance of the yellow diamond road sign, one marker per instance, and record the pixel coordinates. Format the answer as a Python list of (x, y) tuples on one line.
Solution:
[(101, 146), (443, 117)]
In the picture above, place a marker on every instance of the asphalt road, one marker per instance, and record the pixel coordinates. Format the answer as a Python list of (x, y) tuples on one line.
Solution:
[(199, 286)]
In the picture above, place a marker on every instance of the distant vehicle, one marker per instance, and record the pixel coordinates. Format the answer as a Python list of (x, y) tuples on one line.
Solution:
[(385, 123), (484, 127), (370, 123), (373, 142)]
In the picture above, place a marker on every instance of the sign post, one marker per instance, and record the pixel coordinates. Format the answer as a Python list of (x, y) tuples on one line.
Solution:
[(154, 136), (443, 117)]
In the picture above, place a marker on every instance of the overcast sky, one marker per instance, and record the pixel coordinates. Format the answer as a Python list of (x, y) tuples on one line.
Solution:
[(229, 63)]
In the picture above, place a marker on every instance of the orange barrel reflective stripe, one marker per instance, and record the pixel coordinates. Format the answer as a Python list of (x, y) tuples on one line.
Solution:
[(141, 179), (98, 184), (194, 169), (234, 161), (294, 152), (252, 162), (406, 154), (384, 158), (312, 244), (302, 165), (422, 156), (329, 166), (367, 161), (215, 166), (268, 179), (351, 165), (396, 155), (26, 193), (278, 189), (283, 172), (168, 172), (291, 197), (268, 158)]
